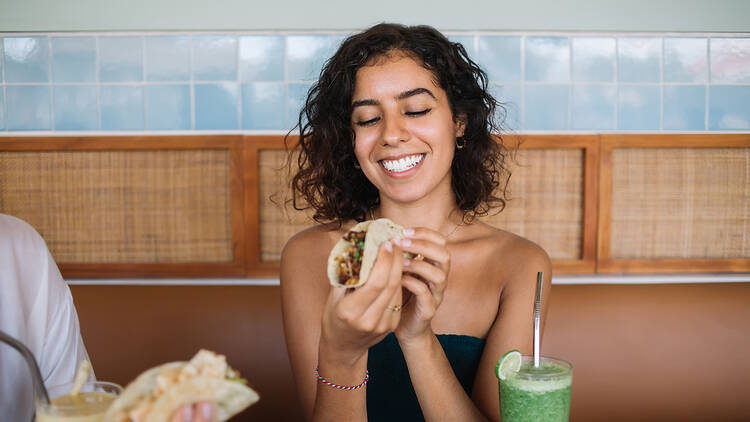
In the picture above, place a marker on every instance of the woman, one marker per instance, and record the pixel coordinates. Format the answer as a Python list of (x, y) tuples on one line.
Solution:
[(398, 126)]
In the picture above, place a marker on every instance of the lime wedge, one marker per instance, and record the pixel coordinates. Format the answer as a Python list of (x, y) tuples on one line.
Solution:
[(509, 364)]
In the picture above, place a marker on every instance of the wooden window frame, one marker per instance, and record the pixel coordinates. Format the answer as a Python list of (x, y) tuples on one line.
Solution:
[(589, 144), (232, 143), (605, 262), (253, 145)]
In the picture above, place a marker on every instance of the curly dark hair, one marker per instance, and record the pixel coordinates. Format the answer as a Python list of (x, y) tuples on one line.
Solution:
[(327, 179)]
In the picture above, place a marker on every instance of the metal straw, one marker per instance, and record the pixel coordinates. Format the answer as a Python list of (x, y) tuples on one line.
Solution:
[(537, 316), (31, 362)]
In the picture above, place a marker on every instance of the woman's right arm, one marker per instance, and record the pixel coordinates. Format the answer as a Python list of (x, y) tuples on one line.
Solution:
[(331, 329)]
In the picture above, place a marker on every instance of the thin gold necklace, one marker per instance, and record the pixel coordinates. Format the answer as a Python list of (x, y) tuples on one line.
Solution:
[(372, 217)]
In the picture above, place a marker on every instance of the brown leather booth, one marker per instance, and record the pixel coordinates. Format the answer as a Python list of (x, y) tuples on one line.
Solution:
[(640, 352)]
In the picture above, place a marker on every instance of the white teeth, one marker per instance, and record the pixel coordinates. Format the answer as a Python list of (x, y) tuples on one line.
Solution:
[(402, 164)]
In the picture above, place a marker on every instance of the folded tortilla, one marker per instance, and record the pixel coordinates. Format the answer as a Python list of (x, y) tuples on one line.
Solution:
[(156, 394), (343, 269)]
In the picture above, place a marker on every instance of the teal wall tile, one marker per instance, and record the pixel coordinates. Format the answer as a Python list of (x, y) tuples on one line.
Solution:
[(500, 57), (638, 107), (217, 106), (26, 59), (508, 114), (593, 107), (684, 107), (168, 58), (214, 57), (467, 41), (122, 107), (168, 107), (263, 106), (546, 107), (306, 55), (76, 107), (262, 58), (73, 59), (638, 59), (729, 107), (685, 59), (730, 60), (593, 59), (2, 110), (28, 107), (120, 59), (296, 97), (2, 59), (547, 59)]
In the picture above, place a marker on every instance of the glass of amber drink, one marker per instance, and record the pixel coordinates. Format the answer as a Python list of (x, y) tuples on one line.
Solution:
[(87, 406)]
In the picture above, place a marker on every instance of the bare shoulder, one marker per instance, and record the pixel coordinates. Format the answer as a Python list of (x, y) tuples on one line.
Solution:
[(305, 255), (511, 254), (304, 241)]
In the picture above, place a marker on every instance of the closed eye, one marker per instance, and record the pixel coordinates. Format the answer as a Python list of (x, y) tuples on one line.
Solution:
[(418, 113), (368, 122)]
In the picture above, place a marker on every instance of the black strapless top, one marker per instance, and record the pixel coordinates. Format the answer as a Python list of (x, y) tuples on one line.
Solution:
[(390, 394)]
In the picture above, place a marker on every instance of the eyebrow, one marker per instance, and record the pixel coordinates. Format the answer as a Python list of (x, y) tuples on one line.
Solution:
[(401, 96)]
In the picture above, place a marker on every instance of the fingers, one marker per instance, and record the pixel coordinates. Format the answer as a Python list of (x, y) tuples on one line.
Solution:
[(426, 303), (337, 293), (183, 414), (204, 412), (431, 245), (425, 234), (390, 294), (378, 279), (425, 270), (199, 412)]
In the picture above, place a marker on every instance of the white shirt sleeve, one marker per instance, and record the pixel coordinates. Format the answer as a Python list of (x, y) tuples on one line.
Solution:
[(36, 308), (62, 346)]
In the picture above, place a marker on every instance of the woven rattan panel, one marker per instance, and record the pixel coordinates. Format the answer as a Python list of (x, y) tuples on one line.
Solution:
[(278, 219), (123, 206), (546, 206), (680, 203), (546, 187)]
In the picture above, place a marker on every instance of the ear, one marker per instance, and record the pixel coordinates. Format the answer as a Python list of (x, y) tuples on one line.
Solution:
[(459, 122)]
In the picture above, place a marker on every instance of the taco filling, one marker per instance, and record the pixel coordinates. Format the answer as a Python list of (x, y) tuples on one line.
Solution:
[(349, 264)]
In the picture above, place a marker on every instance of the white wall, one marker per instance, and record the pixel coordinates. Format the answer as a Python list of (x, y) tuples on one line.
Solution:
[(544, 15)]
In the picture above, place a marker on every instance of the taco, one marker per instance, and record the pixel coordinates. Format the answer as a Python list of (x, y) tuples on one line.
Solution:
[(353, 256), (157, 393)]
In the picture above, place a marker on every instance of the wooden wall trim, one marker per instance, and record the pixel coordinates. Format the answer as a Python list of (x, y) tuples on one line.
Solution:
[(245, 204)]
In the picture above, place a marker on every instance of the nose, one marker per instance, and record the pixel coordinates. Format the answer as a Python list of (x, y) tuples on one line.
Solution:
[(394, 130)]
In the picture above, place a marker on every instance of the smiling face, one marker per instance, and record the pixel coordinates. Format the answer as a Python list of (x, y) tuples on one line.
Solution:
[(404, 129)]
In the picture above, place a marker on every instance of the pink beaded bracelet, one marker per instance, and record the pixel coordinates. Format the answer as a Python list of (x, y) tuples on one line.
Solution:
[(343, 387)]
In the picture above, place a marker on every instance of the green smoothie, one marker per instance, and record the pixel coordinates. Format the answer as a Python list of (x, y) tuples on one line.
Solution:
[(537, 394)]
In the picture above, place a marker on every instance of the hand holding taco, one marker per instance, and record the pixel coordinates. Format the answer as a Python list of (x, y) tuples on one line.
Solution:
[(157, 393), (353, 257)]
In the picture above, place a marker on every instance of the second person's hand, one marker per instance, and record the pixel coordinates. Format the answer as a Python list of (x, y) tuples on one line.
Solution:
[(198, 412)]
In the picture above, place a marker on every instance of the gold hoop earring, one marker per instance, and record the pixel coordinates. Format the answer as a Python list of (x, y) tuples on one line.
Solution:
[(460, 143)]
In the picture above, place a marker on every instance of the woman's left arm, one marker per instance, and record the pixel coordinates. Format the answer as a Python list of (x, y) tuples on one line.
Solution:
[(440, 395), (514, 324)]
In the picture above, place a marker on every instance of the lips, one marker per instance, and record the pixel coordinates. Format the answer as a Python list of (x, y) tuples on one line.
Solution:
[(402, 164)]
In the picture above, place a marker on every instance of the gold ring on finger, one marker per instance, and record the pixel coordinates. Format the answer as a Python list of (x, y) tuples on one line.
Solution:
[(419, 257), (395, 308)]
